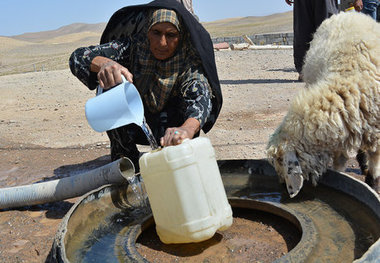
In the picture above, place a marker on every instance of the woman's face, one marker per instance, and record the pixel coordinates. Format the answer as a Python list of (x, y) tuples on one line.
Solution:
[(163, 40)]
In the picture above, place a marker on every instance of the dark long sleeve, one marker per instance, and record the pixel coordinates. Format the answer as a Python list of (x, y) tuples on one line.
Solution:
[(80, 60), (196, 93)]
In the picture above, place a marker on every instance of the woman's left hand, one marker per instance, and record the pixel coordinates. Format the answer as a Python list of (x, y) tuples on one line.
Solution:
[(175, 135)]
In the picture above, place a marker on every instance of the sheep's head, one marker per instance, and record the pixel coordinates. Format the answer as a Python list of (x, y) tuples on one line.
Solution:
[(293, 173), (287, 167)]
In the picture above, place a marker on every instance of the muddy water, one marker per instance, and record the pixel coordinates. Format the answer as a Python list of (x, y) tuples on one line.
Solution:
[(98, 236), (255, 236), (345, 227)]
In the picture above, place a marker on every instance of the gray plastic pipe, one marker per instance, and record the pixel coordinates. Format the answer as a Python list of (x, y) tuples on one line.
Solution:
[(69, 187)]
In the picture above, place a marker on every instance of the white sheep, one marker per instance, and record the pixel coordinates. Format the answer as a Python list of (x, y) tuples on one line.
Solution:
[(339, 110)]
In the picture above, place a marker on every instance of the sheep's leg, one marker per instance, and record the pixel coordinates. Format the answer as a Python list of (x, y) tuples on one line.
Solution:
[(339, 161), (362, 159), (373, 176)]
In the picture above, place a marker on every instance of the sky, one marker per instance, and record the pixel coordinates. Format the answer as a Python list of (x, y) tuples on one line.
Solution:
[(25, 16)]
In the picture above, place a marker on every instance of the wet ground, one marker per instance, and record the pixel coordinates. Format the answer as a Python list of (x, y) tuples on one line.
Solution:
[(27, 233)]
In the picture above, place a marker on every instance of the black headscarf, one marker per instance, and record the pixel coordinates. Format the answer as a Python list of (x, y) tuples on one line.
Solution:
[(200, 39)]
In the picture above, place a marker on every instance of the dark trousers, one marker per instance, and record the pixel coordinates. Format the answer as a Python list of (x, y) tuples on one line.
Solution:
[(124, 139), (307, 16)]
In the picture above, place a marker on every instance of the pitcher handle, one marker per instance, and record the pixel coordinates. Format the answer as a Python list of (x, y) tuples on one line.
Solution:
[(99, 90)]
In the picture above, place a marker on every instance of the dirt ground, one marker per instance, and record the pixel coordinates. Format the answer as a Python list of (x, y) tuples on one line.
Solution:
[(44, 134)]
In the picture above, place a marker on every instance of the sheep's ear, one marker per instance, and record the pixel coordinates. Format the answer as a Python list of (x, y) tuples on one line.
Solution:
[(292, 174)]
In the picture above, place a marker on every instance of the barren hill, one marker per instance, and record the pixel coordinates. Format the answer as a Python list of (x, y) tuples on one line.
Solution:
[(50, 50), (7, 42), (282, 22), (62, 31)]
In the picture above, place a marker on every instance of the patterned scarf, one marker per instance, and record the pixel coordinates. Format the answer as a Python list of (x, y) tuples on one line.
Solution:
[(156, 79)]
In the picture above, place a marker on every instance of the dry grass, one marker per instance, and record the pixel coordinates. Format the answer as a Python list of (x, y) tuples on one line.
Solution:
[(75, 37), (6, 43), (21, 56), (251, 25), (50, 50)]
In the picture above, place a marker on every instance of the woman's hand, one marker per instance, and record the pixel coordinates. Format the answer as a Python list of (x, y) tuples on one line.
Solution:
[(109, 72), (176, 135), (358, 4)]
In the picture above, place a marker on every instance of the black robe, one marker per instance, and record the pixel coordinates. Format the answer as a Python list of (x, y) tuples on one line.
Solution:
[(200, 38)]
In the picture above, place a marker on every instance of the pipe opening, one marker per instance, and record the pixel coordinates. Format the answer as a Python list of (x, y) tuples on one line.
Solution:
[(127, 169)]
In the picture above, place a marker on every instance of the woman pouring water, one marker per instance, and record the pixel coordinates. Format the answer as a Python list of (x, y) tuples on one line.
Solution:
[(167, 54)]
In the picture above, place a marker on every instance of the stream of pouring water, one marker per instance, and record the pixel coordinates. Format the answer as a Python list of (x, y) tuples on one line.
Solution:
[(149, 135), (135, 180)]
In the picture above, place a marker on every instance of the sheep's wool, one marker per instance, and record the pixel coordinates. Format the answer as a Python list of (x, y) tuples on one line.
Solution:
[(339, 109)]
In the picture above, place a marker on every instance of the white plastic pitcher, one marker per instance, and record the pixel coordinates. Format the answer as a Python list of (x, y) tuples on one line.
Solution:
[(186, 192), (117, 107)]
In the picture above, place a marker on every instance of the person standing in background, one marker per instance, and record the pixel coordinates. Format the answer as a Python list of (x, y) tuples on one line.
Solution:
[(307, 16), (188, 4), (370, 8), (357, 4)]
